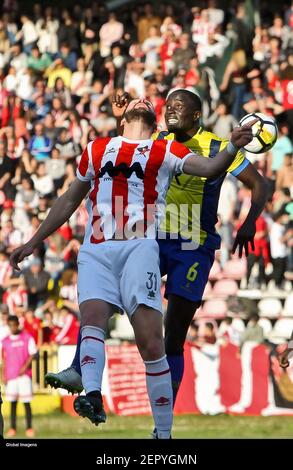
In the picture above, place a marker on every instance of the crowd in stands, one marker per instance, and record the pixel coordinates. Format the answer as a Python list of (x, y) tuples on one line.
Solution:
[(59, 67)]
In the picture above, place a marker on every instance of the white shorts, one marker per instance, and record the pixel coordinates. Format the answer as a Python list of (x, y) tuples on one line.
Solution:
[(19, 389), (122, 273)]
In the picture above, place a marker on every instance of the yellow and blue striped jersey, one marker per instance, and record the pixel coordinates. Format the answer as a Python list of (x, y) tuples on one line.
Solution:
[(191, 192)]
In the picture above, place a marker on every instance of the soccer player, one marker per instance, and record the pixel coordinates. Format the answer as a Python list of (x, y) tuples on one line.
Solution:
[(187, 270), (18, 350), (118, 263)]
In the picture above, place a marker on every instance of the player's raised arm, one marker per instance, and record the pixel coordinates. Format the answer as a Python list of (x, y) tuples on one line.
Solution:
[(213, 167), (60, 212)]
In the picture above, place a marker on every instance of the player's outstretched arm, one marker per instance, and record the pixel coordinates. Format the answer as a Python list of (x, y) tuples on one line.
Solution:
[(60, 212), (213, 167), (259, 193)]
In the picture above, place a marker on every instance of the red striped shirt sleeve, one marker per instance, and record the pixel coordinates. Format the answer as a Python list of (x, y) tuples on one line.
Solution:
[(83, 171), (178, 153)]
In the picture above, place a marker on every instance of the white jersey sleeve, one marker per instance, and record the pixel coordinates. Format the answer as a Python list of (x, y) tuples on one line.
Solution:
[(177, 155)]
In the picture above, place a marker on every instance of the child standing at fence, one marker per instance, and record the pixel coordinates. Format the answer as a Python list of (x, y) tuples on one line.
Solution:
[(18, 350)]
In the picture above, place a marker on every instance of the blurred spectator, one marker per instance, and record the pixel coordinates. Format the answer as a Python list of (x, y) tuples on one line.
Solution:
[(7, 169), (228, 332), (40, 145), (4, 328), (69, 327), (278, 247), (50, 329), (183, 53), (260, 255), (253, 332), (146, 22), (36, 280), (281, 148), (209, 335), (222, 122), (150, 47), (33, 326), (38, 62), (15, 297), (110, 32), (192, 334), (285, 174)]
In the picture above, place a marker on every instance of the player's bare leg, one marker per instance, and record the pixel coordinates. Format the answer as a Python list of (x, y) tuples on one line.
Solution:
[(148, 329), (95, 315)]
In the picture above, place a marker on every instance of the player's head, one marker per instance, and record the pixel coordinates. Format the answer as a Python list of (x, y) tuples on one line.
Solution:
[(141, 109), (183, 110), (13, 324)]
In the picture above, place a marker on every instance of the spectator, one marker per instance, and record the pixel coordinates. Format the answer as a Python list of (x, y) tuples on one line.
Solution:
[(4, 328), (40, 145), (150, 47), (33, 326), (222, 123), (285, 174), (146, 22), (18, 351), (209, 335), (69, 327), (281, 148), (50, 329), (110, 32), (278, 248), (260, 255), (38, 62), (42, 181), (192, 335), (7, 169), (253, 332), (183, 54), (36, 280)]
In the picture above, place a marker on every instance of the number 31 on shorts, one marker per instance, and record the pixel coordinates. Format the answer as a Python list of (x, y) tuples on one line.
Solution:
[(192, 272)]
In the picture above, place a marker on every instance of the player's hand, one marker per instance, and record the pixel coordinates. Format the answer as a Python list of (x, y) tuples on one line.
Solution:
[(244, 237), (19, 254), (242, 135), (119, 104), (283, 358)]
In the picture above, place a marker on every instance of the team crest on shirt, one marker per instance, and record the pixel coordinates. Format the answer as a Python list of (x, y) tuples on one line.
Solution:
[(111, 150), (143, 150)]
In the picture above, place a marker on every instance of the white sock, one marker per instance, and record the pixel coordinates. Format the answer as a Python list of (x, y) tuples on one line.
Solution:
[(92, 357), (159, 387)]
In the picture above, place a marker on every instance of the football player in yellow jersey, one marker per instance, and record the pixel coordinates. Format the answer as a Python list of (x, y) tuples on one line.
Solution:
[(187, 269)]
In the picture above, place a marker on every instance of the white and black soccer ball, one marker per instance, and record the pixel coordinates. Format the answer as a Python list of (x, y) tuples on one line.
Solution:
[(265, 132)]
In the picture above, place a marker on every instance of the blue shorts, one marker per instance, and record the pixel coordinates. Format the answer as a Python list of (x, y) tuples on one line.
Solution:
[(187, 270)]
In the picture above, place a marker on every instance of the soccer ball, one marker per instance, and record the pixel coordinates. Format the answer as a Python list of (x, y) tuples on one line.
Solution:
[(265, 132)]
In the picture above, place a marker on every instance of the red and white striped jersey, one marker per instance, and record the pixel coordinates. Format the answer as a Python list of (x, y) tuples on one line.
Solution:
[(129, 182)]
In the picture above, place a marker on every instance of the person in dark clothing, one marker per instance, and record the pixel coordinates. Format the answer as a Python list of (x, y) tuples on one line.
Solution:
[(36, 280), (7, 170)]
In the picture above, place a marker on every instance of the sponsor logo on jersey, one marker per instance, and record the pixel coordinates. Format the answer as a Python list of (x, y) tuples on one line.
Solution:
[(122, 168)]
